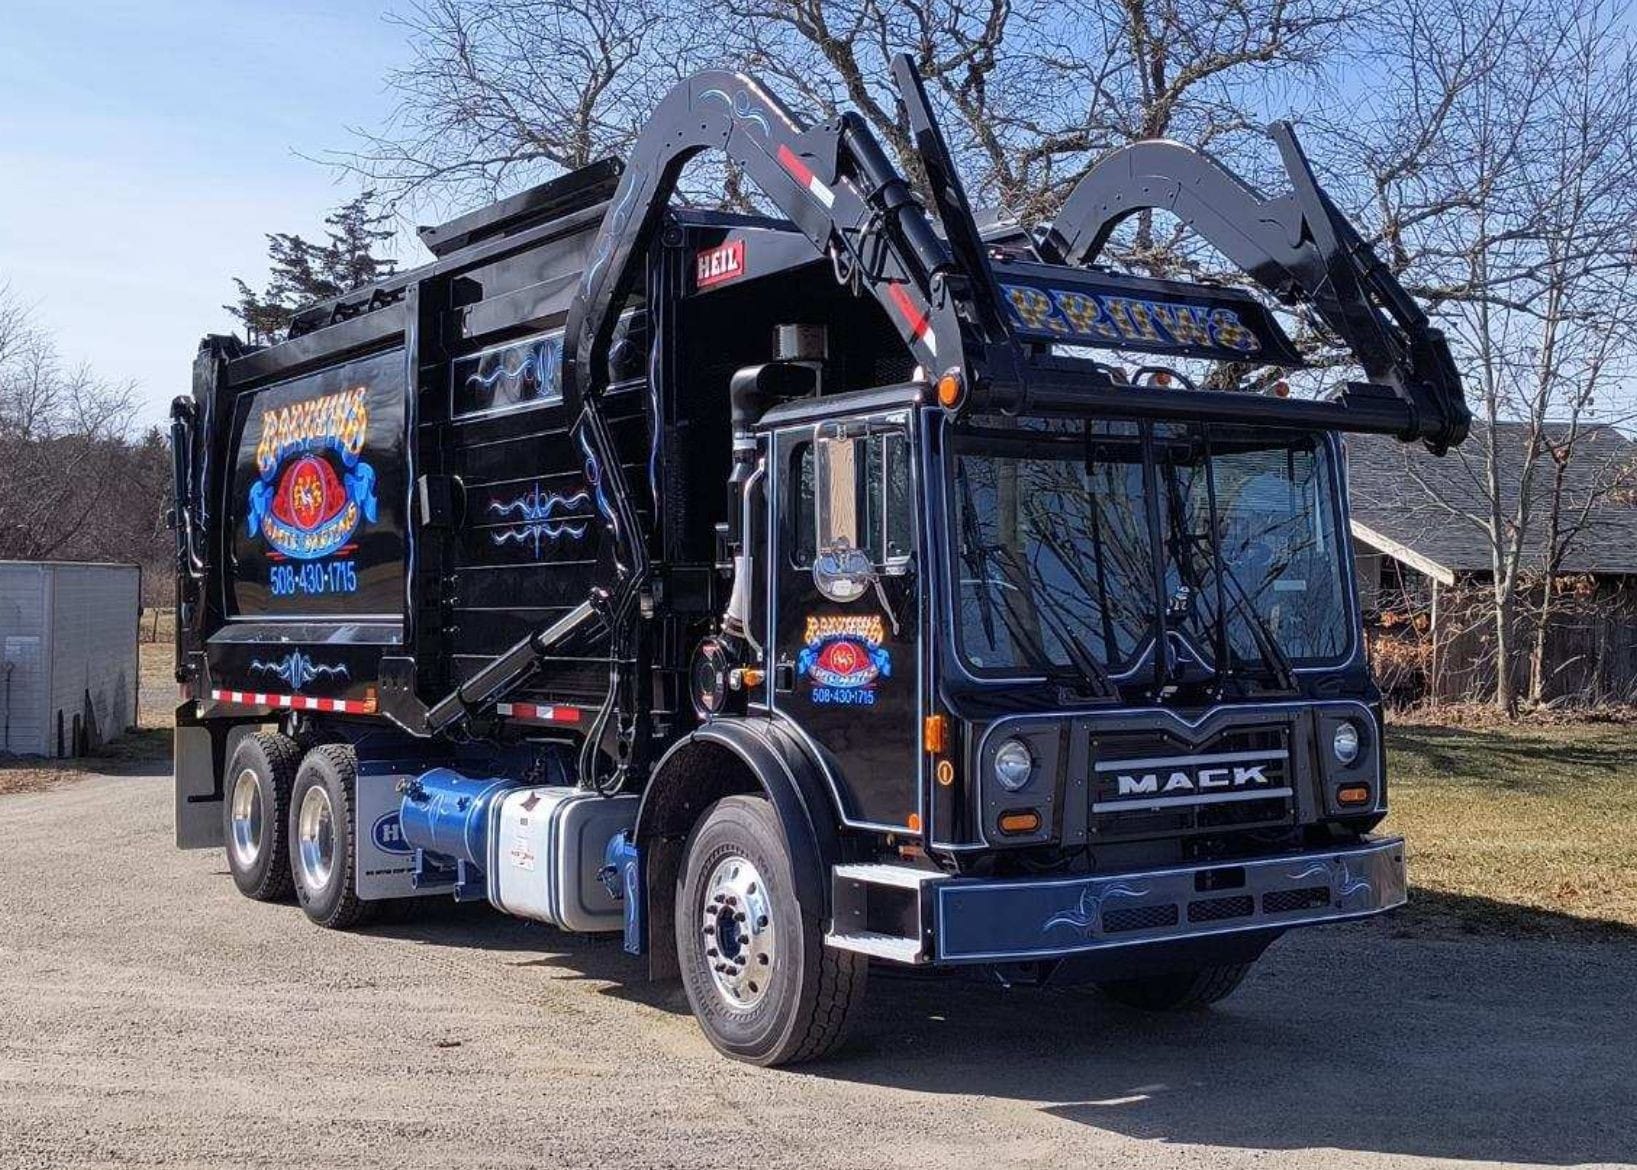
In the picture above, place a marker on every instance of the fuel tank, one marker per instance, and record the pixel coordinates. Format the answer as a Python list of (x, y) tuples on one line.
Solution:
[(446, 816)]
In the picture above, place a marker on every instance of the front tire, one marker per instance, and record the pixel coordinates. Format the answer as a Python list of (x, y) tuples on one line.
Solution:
[(762, 984), (323, 849), (1171, 991), (255, 808)]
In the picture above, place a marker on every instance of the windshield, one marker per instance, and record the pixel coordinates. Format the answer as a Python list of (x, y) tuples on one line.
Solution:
[(1080, 539)]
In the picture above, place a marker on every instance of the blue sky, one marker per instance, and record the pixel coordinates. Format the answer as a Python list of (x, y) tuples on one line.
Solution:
[(145, 149)]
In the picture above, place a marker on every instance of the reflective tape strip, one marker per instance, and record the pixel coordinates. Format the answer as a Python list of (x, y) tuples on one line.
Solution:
[(538, 713), (294, 702), (804, 175), (919, 326)]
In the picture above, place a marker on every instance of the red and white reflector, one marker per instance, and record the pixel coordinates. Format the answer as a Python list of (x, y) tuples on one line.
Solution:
[(920, 327), (804, 175), (539, 713), (294, 702)]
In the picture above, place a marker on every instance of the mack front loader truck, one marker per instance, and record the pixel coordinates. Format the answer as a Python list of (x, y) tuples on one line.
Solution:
[(867, 583)]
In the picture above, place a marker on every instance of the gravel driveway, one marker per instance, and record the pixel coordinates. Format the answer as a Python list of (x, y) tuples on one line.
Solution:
[(149, 1014)]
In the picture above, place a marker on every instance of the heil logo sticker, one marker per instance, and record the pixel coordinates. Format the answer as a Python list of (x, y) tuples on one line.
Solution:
[(388, 834)]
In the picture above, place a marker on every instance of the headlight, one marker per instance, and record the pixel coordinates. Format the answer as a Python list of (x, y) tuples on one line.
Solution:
[(1014, 763), (1345, 744)]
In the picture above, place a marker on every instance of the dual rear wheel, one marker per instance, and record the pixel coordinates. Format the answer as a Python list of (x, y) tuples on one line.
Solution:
[(289, 827)]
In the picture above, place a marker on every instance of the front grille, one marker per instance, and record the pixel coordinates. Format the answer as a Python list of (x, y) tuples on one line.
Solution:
[(1138, 918), (1216, 909), (1172, 787), (1306, 898)]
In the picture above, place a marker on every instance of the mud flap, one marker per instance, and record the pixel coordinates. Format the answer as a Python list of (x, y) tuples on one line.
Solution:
[(200, 754)]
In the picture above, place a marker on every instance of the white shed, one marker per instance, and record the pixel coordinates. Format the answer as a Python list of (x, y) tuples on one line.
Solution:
[(68, 656)]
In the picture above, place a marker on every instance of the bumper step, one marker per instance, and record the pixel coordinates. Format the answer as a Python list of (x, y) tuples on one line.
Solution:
[(863, 895)]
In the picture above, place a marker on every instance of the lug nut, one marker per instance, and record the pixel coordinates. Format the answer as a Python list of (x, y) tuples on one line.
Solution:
[(739, 917), (710, 930), (711, 953)]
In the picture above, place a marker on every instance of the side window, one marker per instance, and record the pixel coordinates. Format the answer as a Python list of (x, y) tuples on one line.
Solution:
[(867, 500), (803, 519), (888, 522)]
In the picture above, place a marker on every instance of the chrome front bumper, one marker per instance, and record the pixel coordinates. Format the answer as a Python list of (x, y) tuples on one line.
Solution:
[(989, 921), (979, 920)]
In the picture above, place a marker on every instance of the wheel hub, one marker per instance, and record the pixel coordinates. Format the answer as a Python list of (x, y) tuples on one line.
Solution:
[(737, 933), (315, 839), (246, 818)]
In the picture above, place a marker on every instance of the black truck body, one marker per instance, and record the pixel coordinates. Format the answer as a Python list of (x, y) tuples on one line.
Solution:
[(834, 551)]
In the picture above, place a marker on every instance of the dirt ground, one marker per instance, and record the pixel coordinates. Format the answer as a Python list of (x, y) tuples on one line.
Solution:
[(148, 1014)]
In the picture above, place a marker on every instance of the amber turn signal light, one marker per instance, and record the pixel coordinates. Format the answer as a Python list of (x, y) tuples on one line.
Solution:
[(1019, 820), (935, 734), (949, 390), (1353, 794)]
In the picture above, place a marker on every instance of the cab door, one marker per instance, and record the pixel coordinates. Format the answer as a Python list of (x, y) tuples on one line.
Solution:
[(846, 613)]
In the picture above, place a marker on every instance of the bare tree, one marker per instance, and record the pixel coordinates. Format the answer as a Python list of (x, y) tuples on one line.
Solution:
[(62, 440), (504, 92), (1499, 171)]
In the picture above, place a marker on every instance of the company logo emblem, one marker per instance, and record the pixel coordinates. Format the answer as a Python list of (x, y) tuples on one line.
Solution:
[(1185, 780), (388, 834), (720, 264), (312, 490), (844, 659), (1195, 780)]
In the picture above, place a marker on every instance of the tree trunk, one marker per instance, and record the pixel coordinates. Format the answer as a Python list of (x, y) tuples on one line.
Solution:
[(1537, 656), (1506, 696)]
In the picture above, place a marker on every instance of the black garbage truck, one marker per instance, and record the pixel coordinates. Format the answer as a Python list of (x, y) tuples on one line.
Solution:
[(872, 581)]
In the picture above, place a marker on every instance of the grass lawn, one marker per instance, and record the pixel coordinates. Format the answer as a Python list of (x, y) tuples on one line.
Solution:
[(1531, 828)]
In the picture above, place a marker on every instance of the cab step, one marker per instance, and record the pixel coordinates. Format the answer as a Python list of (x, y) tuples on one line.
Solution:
[(884, 911)]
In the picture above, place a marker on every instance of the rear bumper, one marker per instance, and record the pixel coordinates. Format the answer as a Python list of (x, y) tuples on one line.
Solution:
[(986, 921)]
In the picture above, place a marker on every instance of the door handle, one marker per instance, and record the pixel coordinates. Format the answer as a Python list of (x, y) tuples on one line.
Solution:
[(784, 677)]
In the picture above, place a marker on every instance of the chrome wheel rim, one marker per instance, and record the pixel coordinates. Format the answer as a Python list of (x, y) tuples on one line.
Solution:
[(315, 839), (736, 928), (246, 819)]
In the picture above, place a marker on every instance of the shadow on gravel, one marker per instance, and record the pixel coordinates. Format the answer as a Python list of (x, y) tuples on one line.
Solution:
[(1411, 1035), (1361, 1038)]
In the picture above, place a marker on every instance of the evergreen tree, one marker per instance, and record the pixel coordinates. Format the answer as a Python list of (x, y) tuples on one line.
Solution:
[(302, 272)]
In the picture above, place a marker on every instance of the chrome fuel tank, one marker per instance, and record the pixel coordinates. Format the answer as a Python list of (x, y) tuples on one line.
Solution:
[(548, 845)]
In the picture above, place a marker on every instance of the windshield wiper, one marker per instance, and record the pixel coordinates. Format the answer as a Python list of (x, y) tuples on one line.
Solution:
[(1080, 656), (1284, 672)]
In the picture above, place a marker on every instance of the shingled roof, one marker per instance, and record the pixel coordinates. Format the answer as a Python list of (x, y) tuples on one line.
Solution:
[(1409, 504)]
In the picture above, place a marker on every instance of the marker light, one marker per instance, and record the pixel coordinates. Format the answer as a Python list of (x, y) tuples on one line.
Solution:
[(1353, 794), (1345, 744), (949, 390), (1019, 821), (1014, 763)]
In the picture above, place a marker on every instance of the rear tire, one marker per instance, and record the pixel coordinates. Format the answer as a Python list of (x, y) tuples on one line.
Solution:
[(255, 812), (1197, 987), (762, 984), (323, 848)]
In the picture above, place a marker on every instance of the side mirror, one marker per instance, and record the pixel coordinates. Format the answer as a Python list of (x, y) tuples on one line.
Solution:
[(842, 571)]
